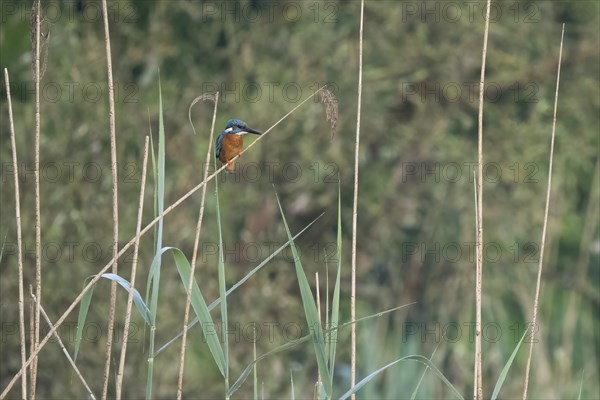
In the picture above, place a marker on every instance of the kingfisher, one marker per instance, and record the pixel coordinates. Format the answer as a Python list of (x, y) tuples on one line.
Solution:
[(230, 142)]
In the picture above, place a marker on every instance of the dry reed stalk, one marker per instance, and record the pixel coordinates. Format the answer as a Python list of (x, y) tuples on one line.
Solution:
[(319, 311), (19, 235), (38, 211), (540, 264), (136, 247), (478, 380), (355, 204), (31, 327), (115, 203)]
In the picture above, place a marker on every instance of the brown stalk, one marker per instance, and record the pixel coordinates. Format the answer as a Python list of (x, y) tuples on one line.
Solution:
[(319, 311), (478, 380), (355, 204), (19, 235), (541, 262), (38, 213), (136, 247), (31, 326), (115, 203)]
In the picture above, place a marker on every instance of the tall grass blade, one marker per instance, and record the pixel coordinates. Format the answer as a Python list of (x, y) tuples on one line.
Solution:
[(160, 184), (198, 304), (155, 203), (200, 308), (84, 307), (154, 281), (310, 310), (335, 307), (506, 368), (155, 175), (418, 358), (154, 276)]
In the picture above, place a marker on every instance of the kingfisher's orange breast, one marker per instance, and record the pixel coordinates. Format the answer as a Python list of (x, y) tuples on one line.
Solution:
[(231, 146)]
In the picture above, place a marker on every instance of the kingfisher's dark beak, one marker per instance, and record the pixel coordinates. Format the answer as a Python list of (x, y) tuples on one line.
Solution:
[(254, 131)]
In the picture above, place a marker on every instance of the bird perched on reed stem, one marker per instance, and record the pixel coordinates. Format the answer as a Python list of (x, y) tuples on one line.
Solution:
[(230, 142)]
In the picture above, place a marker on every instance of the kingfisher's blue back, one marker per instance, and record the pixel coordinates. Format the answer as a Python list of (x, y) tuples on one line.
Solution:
[(230, 142)]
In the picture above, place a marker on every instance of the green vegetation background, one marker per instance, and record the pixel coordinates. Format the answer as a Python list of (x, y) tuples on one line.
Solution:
[(416, 216)]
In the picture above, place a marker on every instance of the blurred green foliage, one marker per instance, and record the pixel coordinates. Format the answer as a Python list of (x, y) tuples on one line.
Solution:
[(416, 204)]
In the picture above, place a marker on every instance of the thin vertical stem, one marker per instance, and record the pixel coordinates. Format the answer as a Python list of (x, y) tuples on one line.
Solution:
[(255, 368), (541, 263), (115, 198), (38, 212), (186, 315), (317, 289), (222, 292), (477, 249), (136, 247), (355, 204), (478, 384), (19, 235), (31, 331)]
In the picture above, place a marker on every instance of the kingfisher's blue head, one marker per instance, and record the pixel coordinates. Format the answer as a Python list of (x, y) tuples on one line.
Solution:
[(239, 127), (233, 127)]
